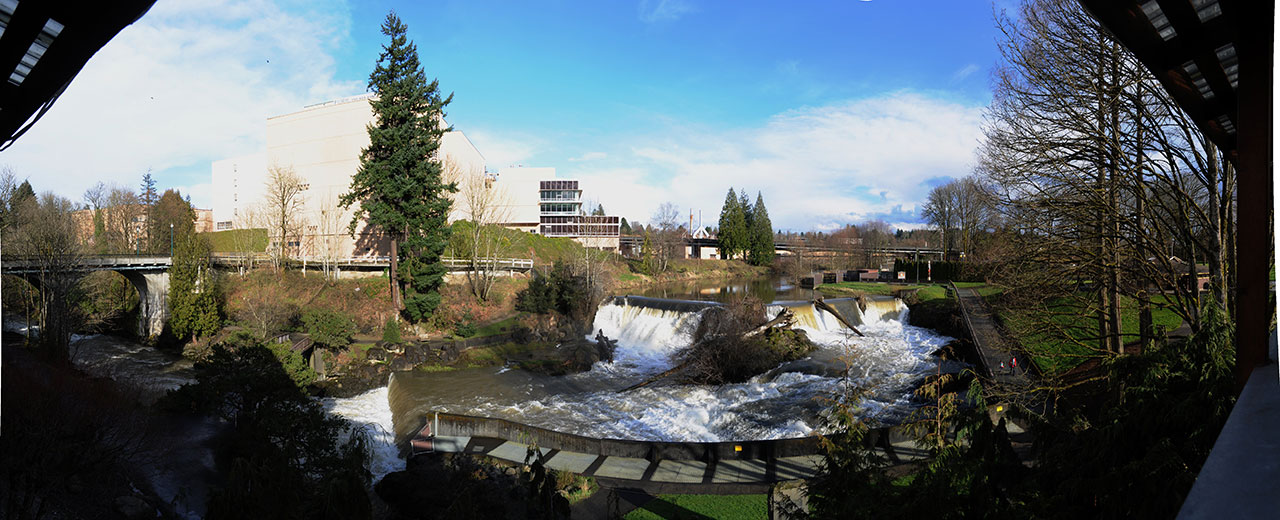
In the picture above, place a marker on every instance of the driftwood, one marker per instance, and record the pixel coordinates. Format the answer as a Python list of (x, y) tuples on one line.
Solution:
[(785, 319), (819, 303)]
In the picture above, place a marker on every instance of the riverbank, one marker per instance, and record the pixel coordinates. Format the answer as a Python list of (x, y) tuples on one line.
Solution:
[(688, 270)]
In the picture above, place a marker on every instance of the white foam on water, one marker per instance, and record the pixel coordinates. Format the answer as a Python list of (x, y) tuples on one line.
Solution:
[(371, 412), (646, 336), (784, 404)]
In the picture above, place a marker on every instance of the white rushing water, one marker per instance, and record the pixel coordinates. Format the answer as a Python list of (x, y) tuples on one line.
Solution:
[(371, 413), (786, 402)]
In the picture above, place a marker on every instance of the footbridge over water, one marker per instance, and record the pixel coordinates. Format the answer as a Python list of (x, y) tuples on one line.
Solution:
[(148, 274), (651, 461)]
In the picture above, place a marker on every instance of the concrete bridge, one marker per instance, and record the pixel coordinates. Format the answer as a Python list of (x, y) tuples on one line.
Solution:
[(148, 274)]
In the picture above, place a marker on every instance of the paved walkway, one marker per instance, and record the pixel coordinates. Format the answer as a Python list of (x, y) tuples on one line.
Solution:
[(643, 471), (997, 354), (733, 471)]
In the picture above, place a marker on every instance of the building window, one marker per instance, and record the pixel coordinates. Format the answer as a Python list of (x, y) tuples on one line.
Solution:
[(224, 225)]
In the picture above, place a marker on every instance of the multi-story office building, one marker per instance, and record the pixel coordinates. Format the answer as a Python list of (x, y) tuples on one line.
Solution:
[(321, 144), (560, 214)]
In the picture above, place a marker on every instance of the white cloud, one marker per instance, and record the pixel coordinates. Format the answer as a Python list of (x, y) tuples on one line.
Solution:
[(964, 72), (506, 148), (817, 167), (652, 11), (589, 156), (189, 83)]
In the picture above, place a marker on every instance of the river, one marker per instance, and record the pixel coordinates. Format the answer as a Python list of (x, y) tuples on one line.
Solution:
[(785, 402), (788, 401)]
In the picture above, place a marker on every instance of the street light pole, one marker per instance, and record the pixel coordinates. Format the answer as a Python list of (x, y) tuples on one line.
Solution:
[(170, 240)]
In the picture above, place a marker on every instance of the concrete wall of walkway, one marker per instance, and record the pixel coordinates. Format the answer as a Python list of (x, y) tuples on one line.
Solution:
[(453, 425)]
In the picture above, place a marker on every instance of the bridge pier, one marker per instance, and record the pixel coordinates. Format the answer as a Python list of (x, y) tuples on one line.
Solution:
[(153, 300)]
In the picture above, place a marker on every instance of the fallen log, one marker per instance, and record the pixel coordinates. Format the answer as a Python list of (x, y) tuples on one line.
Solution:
[(823, 305), (785, 318)]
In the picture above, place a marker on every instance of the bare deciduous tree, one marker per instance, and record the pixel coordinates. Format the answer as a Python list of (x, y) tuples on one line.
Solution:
[(243, 239), (1103, 177), (284, 203), (46, 238), (329, 230), (486, 205), (668, 240)]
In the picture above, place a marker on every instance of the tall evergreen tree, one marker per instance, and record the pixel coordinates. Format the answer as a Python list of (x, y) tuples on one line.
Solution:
[(172, 219), (761, 234), (400, 185), (147, 194), (745, 234), (193, 300), (733, 225), (624, 228)]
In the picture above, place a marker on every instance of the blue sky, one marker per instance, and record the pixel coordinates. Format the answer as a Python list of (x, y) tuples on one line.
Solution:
[(837, 111)]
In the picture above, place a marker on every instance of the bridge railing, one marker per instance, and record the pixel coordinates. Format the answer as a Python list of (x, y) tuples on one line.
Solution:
[(518, 264)]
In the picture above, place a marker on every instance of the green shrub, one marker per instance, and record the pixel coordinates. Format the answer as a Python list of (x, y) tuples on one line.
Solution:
[(328, 328), (559, 291), (466, 327), (391, 331)]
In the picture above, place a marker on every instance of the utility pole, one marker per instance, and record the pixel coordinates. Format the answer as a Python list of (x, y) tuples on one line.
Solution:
[(171, 240)]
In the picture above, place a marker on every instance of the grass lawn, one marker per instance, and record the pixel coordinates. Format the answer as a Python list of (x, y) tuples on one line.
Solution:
[(495, 328), (703, 506), (238, 240), (1061, 350)]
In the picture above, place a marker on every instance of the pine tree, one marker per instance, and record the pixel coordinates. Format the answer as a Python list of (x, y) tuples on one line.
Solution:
[(762, 251), (624, 228), (193, 300), (733, 225), (400, 185), (745, 232), (147, 194)]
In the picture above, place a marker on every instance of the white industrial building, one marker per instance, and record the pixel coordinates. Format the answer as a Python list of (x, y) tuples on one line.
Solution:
[(321, 143)]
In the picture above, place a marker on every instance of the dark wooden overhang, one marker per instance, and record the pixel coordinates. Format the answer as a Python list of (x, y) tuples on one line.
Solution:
[(44, 44)]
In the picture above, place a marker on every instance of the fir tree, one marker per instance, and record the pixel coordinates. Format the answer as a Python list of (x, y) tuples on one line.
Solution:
[(733, 225), (170, 219), (624, 228), (762, 251), (147, 195), (745, 234), (193, 300), (400, 185)]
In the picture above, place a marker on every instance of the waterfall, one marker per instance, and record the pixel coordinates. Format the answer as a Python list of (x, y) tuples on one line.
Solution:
[(647, 335)]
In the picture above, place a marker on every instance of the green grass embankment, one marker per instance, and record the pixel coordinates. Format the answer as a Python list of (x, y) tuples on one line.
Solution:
[(1062, 335), (238, 240), (703, 506)]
